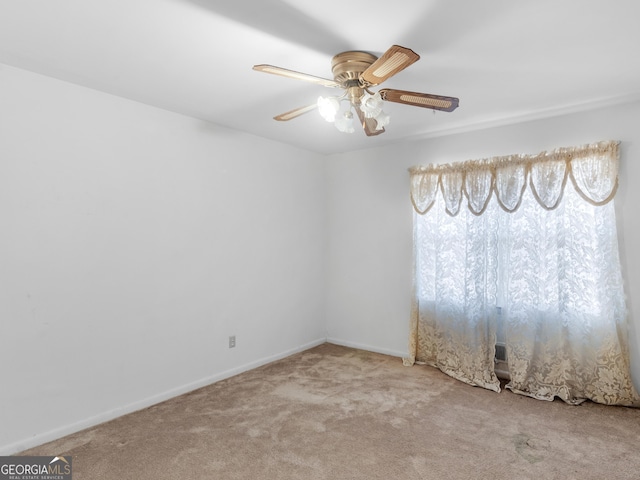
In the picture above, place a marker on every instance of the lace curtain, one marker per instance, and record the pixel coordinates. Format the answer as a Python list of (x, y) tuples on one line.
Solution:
[(541, 262)]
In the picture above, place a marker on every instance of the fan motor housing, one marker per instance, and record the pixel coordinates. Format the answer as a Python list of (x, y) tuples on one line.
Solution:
[(349, 65)]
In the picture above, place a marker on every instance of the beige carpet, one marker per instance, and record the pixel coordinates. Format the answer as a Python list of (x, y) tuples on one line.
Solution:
[(338, 413)]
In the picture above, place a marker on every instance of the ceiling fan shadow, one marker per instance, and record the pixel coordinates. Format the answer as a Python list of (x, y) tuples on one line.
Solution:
[(442, 24), (280, 20)]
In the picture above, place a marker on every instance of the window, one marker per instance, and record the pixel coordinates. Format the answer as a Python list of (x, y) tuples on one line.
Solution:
[(536, 251)]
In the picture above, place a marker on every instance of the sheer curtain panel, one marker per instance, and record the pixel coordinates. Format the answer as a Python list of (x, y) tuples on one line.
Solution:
[(524, 245)]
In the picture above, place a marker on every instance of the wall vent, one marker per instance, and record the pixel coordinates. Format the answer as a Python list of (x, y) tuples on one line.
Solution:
[(501, 367)]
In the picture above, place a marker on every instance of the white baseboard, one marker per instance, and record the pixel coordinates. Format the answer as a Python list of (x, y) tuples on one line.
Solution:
[(384, 351), (51, 435)]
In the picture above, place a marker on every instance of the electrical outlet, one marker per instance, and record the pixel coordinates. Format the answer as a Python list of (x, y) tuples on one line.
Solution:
[(232, 341)]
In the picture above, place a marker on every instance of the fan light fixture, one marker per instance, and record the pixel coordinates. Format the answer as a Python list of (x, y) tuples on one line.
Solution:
[(344, 122), (328, 107), (369, 104)]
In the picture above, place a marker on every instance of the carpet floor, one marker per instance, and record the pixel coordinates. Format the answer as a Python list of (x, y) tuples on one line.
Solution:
[(333, 412)]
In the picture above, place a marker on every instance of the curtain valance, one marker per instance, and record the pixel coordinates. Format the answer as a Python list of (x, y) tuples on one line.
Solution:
[(593, 170)]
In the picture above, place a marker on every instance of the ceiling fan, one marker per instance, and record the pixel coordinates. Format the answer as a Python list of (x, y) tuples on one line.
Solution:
[(355, 72)]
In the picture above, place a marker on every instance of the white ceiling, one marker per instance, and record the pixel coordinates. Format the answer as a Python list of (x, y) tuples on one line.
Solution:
[(504, 59)]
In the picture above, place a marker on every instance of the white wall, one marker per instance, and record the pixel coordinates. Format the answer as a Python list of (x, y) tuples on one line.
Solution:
[(134, 242), (370, 219)]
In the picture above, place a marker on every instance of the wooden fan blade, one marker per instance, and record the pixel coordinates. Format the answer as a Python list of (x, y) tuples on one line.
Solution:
[(425, 100), (368, 124), (283, 117), (296, 75), (392, 61)]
